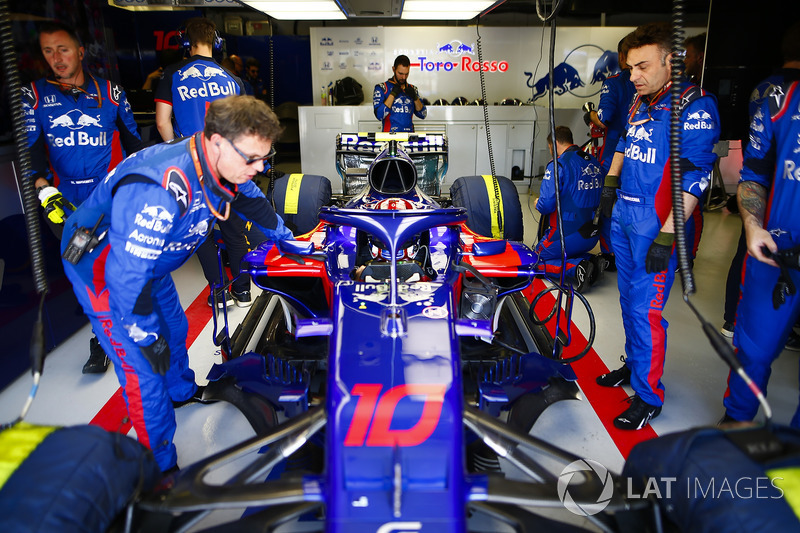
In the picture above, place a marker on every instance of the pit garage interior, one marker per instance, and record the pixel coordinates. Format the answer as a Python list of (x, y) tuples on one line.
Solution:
[(128, 41)]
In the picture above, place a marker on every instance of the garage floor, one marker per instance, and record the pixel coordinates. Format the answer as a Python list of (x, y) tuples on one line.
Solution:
[(694, 377)]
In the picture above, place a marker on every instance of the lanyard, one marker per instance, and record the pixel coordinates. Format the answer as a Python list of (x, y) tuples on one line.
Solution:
[(75, 89), (198, 169)]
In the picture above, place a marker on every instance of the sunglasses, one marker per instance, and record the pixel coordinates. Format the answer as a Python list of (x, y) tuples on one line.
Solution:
[(251, 160)]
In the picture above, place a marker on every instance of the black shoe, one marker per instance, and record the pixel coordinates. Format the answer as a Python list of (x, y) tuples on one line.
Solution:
[(196, 397), (609, 262), (583, 275), (727, 329), (242, 298), (599, 266), (792, 342), (638, 415), (616, 378), (98, 360), (227, 302)]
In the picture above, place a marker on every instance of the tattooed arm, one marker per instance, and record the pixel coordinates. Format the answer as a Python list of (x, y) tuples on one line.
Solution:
[(752, 199)]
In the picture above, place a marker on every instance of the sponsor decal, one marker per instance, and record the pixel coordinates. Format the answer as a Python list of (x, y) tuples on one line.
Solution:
[(155, 218), (645, 156), (142, 251), (207, 89), (456, 48), (75, 120), (659, 284), (176, 183), (790, 170)]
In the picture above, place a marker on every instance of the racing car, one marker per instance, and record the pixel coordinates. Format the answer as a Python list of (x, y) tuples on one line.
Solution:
[(393, 355)]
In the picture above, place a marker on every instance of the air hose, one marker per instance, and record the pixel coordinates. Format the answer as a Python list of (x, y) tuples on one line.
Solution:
[(485, 106), (29, 199), (719, 344)]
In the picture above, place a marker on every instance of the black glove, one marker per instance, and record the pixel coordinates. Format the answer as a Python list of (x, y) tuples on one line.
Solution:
[(588, 107), (158, 355), (659, 253), (587, 118), (411, 92), (396, 90), (608, 196), (54, 204)]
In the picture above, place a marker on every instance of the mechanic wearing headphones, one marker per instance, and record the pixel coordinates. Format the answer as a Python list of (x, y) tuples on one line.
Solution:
[(84, 126), (149, 215), (185, 91), (397, 101)]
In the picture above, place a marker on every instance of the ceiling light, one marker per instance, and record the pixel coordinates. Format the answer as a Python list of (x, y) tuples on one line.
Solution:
[(444, 9), (298, 9)]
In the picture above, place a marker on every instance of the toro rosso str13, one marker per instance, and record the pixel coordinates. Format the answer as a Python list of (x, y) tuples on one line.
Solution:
[(390, 360)]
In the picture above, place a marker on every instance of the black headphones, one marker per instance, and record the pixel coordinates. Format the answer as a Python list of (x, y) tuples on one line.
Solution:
[(183, 39)]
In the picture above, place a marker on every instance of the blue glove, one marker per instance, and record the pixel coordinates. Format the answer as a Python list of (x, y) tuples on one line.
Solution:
[(659, 253)]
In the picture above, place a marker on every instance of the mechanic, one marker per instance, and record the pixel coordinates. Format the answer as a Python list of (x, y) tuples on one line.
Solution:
[(150, 213), (695, 56), (238, 69), (188, 87), (790, 70), (397, 101), (84, 126), (580, 178), (251, 76), (642, 223), (611, 115), (769, 197)]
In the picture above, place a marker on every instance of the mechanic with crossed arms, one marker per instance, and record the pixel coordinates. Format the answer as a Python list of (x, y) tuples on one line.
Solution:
[(396, 101)]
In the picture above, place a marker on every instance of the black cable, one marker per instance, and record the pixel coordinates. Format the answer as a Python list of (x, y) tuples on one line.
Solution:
[(29, 199), (485, 106), (678, 218), (271, 173)]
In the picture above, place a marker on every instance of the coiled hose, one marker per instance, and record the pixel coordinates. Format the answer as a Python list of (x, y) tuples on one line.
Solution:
[(29, 199)]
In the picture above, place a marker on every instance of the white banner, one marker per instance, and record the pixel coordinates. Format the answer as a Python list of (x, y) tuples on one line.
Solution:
[(444, 60)]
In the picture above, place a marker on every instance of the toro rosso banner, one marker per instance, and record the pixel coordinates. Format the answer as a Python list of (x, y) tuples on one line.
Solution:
[(445, 62)]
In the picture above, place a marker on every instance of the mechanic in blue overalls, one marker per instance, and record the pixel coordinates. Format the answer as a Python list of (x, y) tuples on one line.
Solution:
[(642, 228), (769, 197), (84, 126), (184, 93), (149, 214), (616, 96), (581, 180), (396, 101)]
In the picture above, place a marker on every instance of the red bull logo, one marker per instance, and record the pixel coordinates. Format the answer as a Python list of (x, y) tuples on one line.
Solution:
[(659, 284), (565, 78)]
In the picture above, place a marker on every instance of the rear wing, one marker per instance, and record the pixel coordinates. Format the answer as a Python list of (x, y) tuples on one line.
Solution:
[(356, 151)]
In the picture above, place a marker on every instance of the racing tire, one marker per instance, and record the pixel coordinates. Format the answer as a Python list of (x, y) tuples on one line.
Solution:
[(471, 193), (299, 209)]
